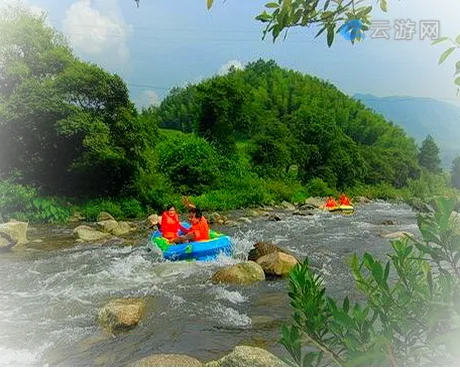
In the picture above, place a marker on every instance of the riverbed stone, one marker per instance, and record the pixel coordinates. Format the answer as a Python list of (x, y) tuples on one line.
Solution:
[(241, 274), (122, 228), (274, 217), (121, 314), (361, 200), (14, 233), (252, 213), (245, 220), (277, 264), (263, 248), (167, 360), (397, 235), (288, 206), (88, 234), (316, 202), (248, 356), (215, 218), (390, 222), (104, 216)]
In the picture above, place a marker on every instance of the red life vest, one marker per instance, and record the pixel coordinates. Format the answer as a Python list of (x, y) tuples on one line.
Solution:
[(331, 203), (170, 225)]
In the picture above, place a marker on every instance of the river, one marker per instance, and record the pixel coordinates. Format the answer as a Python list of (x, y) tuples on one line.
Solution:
[(51, 292)]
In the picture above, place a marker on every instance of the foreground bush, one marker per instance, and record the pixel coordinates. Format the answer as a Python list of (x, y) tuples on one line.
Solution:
[(411, 316)]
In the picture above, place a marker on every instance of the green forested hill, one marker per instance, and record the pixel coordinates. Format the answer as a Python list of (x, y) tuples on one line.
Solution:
[(294, 119)]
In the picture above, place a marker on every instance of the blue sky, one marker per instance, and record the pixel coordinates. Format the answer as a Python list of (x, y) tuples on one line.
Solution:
[(168, 43)]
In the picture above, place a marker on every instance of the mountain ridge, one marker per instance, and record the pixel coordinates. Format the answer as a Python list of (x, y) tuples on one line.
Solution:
[(420, 116)]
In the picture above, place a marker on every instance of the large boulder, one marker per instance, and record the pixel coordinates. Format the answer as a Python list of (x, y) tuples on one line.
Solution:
[(262, 248), (114, 227), (107, 226), (121, 314), (88, 234), (315, 202), (277, 263), (167, 360), (12, 233), (248, 356), (241, 274)]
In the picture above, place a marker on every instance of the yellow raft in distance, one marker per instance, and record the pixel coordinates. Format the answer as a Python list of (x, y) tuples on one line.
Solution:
[(343, 209)]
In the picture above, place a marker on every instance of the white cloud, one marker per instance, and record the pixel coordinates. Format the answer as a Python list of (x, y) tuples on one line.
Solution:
[(224, 69), (148, 98), (102, 35)]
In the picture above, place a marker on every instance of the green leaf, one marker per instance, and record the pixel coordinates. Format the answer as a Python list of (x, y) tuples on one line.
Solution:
[(320, 31), (272, 5), (387, 271), (346, 304), (457, 81), (330, 35), (445, 54), (384, 5), (326, 4), (439, 40), (377, 272), (457, 40), (209, 3), (457, 68), (264, 17)]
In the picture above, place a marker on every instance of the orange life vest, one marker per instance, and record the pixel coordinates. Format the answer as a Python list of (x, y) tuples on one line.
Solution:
[(170, 225), (331, 203), (345, 201), (200, 230)]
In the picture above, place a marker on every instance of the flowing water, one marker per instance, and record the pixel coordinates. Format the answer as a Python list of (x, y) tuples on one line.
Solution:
[(50, 293)]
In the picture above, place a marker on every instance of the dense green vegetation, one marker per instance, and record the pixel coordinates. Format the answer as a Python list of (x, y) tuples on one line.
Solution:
[(71, 139)]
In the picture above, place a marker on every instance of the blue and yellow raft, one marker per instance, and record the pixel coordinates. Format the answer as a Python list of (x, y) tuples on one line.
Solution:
[(204, 250)]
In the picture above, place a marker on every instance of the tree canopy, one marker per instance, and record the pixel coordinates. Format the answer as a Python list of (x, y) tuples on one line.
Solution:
[(65, 125)]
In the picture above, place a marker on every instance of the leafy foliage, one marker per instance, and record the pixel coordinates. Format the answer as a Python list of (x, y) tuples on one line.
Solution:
[(65, 125), (411, 313), (191, 164)]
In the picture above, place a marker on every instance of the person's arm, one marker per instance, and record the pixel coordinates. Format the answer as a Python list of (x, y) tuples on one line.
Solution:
[(187, 202), (183, 229), (183, 238)]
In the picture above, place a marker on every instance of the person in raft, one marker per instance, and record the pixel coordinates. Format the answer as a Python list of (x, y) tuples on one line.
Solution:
[(199, 229), (169, 223), (344, 200), (330, 203)]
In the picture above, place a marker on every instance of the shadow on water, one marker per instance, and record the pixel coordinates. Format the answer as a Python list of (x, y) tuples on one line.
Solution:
[(50, 295)]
